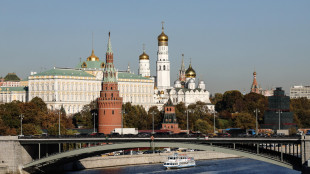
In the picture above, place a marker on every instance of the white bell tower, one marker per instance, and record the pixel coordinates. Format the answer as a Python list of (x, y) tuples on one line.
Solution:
[(144, 64), (163, 63)]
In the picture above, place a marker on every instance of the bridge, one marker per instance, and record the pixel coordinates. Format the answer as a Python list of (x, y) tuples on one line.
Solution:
[(46, 153)]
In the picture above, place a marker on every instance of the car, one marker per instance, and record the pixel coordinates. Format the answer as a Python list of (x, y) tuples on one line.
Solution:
[(148, 152)]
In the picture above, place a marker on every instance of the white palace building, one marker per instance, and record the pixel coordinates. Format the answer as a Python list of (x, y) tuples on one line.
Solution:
[(72, 88)]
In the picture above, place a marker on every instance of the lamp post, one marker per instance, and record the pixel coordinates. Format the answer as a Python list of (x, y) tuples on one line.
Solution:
[(188, 110), (153, 112), (256, 124), (59, 123), (279, 112), (214, 112), (94, 115), (21, 124), (122, 112)]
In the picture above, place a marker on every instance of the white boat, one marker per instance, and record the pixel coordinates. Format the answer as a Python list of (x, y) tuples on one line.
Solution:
[(179, 161)]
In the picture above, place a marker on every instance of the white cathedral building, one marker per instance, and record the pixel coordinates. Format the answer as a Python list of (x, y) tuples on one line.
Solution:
[(72, 88)]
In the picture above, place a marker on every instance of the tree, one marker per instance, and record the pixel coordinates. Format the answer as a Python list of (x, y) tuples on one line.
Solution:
[(244, 121), (203, 126)]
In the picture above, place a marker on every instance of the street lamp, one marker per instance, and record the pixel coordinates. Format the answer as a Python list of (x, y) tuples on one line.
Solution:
[(214, 112), (279, 112), (21, 124), (152, 113), (94, 115), (59, 123), (256, 112), (122, 112), (188, 110)]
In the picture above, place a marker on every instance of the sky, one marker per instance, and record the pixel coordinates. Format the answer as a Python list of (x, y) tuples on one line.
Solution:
[(226, 40)]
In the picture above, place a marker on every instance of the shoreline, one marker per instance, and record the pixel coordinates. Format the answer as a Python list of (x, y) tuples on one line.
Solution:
[(144, 159)]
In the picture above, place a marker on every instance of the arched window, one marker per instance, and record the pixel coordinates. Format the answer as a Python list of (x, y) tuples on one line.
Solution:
[(112, 95), (164, 67), (159, 67), (112, 112)]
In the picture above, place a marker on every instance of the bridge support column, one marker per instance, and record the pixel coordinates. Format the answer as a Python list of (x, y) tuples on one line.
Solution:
[(80, 145), (39, 151), (305, 148), (257, 148), (285, 148), (281, 153), (59, 144), (293, 149), (289, 149), (46, 150), (234, 145)]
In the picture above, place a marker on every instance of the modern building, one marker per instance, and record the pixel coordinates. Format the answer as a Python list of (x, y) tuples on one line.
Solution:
[(278, 115), (109, 102), (300, 91)]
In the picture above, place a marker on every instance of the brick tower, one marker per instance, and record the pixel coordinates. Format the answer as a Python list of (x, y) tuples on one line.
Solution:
[(254, 87), (110, 103), (170, 120)]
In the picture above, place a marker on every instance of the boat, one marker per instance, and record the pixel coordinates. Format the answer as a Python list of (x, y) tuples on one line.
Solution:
[(177, 161)]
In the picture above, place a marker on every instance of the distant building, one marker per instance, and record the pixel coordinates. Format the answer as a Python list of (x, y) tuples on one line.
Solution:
[(278, 111), (258, 90), (300, 91), (10, 80), (170, 120)]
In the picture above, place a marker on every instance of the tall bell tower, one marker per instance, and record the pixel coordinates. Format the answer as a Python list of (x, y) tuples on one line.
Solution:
[(163, 63), (110, 103)]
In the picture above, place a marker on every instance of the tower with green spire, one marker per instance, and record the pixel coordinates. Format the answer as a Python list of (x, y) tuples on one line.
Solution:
[(110, 103)]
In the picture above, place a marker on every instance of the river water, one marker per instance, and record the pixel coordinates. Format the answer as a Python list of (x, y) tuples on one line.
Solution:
[(222, 166)]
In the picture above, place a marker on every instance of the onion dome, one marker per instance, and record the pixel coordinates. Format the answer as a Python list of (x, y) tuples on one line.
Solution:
[(177, 82), (201, 82), (92, 57), (190, 72), (254, 73), (191, 81), (162, 92), (144, 56), (162, 38)]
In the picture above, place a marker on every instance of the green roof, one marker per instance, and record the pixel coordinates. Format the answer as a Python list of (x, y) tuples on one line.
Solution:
[(64, 72), (11, 77), (126, 75), (21, 88), (91, 65)]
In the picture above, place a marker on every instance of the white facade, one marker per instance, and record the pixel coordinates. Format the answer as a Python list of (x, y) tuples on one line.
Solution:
[(9, 94), (67, 88), (144, 67), (300, 91), (163, 68)]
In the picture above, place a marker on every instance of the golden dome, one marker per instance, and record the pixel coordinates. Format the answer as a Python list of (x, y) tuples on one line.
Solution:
[(92, 57), (254, 73), (162, 92), (162, 37), (144, 56), (190, 72)]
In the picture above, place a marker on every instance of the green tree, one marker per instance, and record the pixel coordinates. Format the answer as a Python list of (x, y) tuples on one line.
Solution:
[(203, 126), (244, 121)]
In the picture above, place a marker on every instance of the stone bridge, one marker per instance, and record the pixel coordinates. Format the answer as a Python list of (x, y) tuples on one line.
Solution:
[(43, 154)]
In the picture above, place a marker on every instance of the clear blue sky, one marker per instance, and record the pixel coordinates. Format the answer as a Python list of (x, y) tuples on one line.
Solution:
[(225, 39)]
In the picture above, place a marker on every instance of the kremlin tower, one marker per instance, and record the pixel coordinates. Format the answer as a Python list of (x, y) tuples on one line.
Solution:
[(254, 87), (163, 63), (110, 103), (182, 72), (170, 119)]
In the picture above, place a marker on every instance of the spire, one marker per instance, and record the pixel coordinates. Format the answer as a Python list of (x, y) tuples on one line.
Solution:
[(109, 45), (182, 65), (254, 87), (162, 28), (128, 68), (143, 48)]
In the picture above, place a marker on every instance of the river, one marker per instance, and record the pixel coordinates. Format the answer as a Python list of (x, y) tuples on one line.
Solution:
[(222, 166)]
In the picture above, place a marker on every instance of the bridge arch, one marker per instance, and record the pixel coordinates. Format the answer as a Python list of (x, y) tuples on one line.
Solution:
[(89, 151)]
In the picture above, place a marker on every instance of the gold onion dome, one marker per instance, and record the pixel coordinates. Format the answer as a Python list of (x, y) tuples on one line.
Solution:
[(254, 73), (144, 56), (190, 72), (92, 57), (162, 37)]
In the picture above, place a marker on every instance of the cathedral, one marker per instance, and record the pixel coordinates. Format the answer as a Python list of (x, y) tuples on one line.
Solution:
[(72, 88)]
